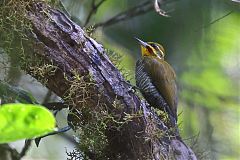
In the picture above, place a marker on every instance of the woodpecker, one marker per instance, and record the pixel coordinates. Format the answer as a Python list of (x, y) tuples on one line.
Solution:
[(156, 79)]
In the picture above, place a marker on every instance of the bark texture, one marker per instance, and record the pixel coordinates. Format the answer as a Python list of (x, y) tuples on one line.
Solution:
[(64, 44)]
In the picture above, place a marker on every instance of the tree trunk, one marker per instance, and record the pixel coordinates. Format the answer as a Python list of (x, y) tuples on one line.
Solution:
[(78, 69)]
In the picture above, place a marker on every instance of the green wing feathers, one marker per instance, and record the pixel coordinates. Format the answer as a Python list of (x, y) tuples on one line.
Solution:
[(164, 79)]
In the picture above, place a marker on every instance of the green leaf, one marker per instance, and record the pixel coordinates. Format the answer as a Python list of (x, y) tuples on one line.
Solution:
[(24, 121)]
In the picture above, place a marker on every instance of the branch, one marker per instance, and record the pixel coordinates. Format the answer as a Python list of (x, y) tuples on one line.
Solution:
[(140, 9), (86, 79), (26, 147), (93, 10)]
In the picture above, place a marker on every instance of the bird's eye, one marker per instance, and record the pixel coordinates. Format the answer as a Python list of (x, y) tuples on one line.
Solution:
[(159, 49), (154, 46), (150, 50)]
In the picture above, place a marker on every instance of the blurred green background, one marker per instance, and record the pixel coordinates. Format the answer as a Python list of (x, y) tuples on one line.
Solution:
[(202, 43)]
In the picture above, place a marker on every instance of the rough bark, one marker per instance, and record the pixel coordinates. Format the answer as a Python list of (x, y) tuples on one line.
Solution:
[(63, 43)]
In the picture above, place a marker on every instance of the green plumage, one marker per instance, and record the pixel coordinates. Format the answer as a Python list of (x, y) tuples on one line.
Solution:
[(156, 80)]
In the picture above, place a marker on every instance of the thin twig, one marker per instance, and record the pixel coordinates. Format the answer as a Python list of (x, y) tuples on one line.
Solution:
[(26, 146), (93, 10), (55, 105), (132, 12), (216, 20), (47, 96)]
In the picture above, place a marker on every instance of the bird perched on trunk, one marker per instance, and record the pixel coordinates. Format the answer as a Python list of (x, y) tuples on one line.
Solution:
[(156, 79)]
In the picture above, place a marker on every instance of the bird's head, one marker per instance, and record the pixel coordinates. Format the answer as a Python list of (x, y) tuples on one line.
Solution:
[(151, 49)]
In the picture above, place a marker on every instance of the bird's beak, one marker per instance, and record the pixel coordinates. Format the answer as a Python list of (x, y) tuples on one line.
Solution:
[(142, 43)]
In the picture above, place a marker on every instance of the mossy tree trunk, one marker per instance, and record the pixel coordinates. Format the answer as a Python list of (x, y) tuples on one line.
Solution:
[(77, 68)]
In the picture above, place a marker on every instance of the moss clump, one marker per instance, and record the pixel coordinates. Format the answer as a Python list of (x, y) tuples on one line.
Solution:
[(15, 29), (92, 120), (13, 23), (42, 71), (93, 140), (87, 115)]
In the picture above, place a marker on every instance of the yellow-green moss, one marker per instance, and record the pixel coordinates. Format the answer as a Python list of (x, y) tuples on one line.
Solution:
[(15, 28)]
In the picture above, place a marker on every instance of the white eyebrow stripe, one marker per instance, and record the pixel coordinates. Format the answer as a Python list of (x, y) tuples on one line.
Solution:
[(160, 51)]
